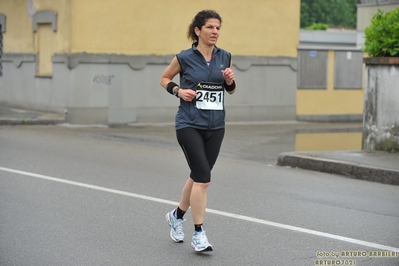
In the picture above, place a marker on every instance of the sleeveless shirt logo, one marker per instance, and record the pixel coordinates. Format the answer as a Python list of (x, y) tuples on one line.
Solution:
[(210, 86)]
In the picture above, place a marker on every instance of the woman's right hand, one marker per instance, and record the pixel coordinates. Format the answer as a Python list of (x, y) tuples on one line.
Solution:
[(187, 94)]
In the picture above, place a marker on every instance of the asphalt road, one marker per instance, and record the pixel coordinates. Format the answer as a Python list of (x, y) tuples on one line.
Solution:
[(98, 196)]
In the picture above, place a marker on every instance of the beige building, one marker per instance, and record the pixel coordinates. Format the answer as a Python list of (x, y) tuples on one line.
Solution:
[(101, 60), (330, 76)]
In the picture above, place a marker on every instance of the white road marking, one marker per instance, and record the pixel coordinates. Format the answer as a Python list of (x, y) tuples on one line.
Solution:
[(221, 213)]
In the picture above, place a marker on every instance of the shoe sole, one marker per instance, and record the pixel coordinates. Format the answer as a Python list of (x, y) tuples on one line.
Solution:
[(171, 235), (207, 249)]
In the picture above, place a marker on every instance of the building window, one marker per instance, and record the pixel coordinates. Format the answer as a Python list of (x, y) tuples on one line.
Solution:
[(312, 69), (44, 25), (44, 50), (348, 70)]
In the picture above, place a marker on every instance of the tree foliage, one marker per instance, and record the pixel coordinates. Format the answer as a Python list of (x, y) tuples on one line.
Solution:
[(332, 12)]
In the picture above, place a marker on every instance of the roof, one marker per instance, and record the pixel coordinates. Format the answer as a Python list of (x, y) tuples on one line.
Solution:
[(328, 40)]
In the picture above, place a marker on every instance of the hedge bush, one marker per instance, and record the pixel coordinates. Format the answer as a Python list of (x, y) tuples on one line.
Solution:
[(382, 35), (318, 26)]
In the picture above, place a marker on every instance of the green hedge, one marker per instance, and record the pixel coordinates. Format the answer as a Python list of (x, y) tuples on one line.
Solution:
[(382, 35), (318, 26)]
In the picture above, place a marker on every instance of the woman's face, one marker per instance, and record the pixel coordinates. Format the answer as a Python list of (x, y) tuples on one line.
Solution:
[(209, 32)]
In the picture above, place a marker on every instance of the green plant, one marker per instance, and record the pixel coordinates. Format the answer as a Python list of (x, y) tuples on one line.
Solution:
[(317, 26), (340, 13), (382, 35)]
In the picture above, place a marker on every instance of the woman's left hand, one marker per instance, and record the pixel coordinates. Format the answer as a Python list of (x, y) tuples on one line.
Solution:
[(228, 75)]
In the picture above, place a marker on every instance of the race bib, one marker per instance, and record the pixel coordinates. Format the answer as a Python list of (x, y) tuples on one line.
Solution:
[(210, 96)]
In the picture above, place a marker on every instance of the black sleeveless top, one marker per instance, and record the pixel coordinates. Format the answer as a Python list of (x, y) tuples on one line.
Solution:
[(207, 110)]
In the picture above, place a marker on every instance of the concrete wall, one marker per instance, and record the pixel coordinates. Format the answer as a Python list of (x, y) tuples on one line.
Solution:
[(381, 112), (381, 96), (114, 89)]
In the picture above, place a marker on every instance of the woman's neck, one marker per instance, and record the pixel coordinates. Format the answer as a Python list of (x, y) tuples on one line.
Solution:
[(206, 51)]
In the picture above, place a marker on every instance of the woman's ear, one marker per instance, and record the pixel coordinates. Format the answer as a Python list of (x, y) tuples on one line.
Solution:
[(197, 31)]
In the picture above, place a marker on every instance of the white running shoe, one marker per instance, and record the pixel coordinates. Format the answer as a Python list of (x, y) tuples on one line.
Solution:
[(176, 227), (200, 242)]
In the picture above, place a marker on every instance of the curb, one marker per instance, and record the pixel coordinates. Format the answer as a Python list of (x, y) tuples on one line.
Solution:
[(351, 170), (15, 122)]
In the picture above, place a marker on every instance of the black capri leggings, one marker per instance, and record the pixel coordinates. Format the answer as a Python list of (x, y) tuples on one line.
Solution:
[(201, 148)]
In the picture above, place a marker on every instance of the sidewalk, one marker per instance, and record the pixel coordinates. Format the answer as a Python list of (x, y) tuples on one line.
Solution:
[(377, 166), (382, 167), (15, 116)]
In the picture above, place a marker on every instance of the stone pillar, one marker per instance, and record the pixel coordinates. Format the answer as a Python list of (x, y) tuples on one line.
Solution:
[(381, 106)]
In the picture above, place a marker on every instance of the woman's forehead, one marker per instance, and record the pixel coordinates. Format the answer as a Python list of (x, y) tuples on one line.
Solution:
[(212, 21)]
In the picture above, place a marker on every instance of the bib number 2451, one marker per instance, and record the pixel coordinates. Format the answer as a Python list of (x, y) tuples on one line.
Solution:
[(210, 97)]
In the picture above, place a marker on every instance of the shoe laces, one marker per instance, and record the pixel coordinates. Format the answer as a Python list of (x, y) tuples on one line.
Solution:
[(179, 225), (201, 236)]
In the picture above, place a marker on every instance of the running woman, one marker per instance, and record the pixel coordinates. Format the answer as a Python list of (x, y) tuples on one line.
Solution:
[(205, 74)]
